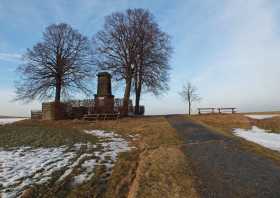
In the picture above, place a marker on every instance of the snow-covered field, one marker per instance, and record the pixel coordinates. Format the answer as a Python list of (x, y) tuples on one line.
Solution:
[(23, 166), (260, 136), (261, 117), (9, 120)]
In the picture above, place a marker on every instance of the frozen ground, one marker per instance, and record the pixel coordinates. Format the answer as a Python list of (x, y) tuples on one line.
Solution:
[(23, 166), (9, 120), (261, 117), (260, 136)]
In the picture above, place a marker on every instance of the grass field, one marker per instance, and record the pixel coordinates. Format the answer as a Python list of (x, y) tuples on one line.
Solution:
[(272, 124), (147, 170), (151, 163), (43, 159), (36, 135), (158, 168)]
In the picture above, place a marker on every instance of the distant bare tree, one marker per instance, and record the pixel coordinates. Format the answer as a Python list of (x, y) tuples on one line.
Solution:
[(189, 95), (61, 63), (133, 48)]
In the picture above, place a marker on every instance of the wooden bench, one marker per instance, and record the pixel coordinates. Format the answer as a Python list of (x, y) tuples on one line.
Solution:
[(227, 110), (206, 110), (107, 116)]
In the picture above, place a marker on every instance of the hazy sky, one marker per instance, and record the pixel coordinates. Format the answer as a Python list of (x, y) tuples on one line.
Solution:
[(230, 49)]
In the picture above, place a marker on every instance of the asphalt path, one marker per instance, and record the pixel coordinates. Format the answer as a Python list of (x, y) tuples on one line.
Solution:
[(221, 167)]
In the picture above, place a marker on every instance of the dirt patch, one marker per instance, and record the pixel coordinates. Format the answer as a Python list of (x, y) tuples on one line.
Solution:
[(163, 172), (123, 174)]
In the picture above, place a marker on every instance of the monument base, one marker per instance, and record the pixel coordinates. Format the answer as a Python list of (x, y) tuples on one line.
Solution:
[(104, 104)]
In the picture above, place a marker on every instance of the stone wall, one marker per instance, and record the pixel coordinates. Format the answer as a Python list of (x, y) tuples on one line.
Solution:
[(54, 111)]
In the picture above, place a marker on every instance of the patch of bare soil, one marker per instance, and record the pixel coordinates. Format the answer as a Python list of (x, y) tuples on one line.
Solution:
[(163, 172)]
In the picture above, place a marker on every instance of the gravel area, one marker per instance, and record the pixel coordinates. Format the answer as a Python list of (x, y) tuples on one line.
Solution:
[(222, 167)]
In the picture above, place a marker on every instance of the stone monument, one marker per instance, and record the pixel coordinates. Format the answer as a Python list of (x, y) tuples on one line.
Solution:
[(104, 100)]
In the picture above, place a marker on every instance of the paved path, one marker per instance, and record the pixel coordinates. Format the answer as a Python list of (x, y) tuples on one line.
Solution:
[(224, 169)]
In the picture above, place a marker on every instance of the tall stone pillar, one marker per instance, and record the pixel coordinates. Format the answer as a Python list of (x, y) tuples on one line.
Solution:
[(104, 100)]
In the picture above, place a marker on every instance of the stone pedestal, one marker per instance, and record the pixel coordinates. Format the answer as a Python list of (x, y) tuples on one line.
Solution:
[(104, 104)]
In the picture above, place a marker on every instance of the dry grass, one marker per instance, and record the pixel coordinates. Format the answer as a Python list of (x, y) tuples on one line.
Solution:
[(163, 172), (153, 131), (226, 122), (272, 124), (41, 135), (263, 113), (157, 168)]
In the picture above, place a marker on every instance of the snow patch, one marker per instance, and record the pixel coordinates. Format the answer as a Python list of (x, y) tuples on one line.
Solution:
[(20, 167), (4, 121), (260, 136), (72, 166), (261, 117), (111, 145)]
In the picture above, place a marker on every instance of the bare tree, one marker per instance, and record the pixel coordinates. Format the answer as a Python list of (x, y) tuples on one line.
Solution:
[(115, 50), (189, 95), (122, 47), (61, 63), (153, 52)]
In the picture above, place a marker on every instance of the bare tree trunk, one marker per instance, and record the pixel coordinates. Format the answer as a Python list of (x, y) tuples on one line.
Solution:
[(189, 108), (137, 99), (126, 97), (58, 90)]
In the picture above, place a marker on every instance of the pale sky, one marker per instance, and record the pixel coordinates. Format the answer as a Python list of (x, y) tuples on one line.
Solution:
[(230, 49)]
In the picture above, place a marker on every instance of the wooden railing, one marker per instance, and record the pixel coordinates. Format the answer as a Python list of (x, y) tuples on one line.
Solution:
[(226, 110), (36, 115), (220, 110), (206, 110)]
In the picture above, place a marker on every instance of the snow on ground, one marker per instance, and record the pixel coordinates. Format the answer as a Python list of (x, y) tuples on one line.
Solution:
[(261, 117), (23, 166), (260, 136), (20, 167), (9, 120)]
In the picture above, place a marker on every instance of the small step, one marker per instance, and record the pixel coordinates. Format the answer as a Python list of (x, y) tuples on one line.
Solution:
[(93, 117)]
